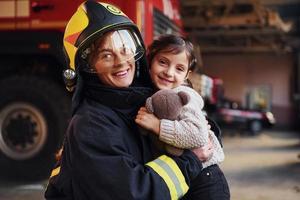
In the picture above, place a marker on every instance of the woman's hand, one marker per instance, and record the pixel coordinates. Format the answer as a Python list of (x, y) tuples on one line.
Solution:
[(147, 120), (205, 152)]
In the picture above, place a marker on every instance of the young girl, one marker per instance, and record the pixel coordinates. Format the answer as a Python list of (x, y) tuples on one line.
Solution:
[(171, 60)]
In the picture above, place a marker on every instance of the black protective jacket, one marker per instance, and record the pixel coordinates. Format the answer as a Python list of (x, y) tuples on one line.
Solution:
[(104, 155)]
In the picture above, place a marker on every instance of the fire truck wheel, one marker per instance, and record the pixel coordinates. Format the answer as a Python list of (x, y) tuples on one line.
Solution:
[(255, 127), (33, 118)]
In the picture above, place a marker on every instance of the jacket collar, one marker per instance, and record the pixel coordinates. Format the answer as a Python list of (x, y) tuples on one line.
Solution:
[(117, 98)]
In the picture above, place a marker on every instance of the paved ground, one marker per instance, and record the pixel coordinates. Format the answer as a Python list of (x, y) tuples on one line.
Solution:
[(22, 191), (265, 167)]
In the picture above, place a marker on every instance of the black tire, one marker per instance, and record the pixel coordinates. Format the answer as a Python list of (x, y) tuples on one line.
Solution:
[(33, 119), (255, 127)]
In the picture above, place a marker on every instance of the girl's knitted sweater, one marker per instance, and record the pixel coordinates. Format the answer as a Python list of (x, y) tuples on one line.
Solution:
[(190, 130)]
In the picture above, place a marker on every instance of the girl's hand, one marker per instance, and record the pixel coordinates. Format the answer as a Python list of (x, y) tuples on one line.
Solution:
[(147, 120)]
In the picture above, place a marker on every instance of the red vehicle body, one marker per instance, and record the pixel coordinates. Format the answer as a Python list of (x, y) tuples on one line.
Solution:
[(34, 105), (254, 121), (229, 113)]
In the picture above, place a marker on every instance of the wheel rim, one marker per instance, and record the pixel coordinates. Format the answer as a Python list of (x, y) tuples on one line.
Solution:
[(23, 131)]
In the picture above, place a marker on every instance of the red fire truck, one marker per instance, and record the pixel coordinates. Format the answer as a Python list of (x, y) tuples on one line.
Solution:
[(34, 106)]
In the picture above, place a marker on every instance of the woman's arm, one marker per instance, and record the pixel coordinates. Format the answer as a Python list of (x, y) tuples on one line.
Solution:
[(105, 169)]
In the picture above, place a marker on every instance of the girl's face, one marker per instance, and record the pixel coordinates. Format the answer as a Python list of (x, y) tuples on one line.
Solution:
[(169, 70)]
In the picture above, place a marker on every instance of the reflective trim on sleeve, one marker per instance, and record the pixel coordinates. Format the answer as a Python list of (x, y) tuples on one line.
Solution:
[(55, 171), (169, 171)]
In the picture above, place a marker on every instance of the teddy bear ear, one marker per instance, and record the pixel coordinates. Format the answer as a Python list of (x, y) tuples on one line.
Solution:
[(149, 105), (185, 97)]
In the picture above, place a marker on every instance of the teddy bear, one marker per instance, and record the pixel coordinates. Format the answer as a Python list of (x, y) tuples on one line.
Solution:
[(167, 104)]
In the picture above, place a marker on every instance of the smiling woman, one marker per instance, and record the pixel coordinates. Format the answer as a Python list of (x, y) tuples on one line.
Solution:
[(113, 58), (103, 147)]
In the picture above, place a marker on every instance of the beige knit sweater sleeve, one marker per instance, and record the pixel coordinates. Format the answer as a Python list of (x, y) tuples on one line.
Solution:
[(190, 130)]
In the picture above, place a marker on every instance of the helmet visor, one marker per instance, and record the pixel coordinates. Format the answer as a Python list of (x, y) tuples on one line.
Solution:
[(115, 48)]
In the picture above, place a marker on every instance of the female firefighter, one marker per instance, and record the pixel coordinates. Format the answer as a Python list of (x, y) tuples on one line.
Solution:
[(104, 156)]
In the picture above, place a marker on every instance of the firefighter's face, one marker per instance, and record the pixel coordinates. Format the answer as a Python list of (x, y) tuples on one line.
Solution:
[(114, 60), (169, 70)]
